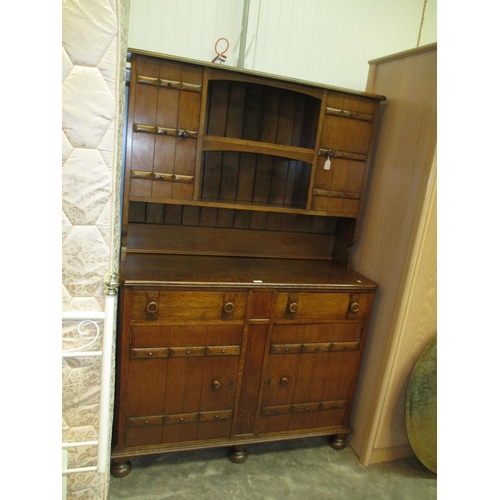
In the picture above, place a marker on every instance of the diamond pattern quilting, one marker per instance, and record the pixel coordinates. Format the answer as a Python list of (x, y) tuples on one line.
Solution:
[(88, 107), (85, 304), (86, 186), (67, 148), (67, 65), (66, 298), (107, 67), (66, 226), (106, 146), (87, 46), (85, 261)]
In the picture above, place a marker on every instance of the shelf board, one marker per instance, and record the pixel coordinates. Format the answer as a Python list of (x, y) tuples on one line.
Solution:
[(234, 205), (212, 143)]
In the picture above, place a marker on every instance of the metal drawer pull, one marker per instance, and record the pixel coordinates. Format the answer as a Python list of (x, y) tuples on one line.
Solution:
[(284, 381), (293, 307), (354, 307), (152, 307), (228, 307), (215, 384)]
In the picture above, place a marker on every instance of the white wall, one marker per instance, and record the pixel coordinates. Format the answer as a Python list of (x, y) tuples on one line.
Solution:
[(186, 28), (325, 41)]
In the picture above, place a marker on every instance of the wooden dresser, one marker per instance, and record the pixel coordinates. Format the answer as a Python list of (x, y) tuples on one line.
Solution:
[(240, 319)]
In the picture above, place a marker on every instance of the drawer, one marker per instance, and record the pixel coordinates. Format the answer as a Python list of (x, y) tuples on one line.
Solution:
[(184, 306), (322, 306)]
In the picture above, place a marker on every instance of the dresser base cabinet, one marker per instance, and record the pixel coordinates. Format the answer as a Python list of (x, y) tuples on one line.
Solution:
[(233, 362)]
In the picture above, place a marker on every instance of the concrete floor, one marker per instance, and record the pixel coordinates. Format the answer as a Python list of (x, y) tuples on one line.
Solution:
[(307, 469)]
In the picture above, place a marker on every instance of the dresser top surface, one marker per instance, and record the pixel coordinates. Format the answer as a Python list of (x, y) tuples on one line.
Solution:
[(240, 272), (245, 71)]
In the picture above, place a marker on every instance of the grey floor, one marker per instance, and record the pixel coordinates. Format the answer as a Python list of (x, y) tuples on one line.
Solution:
[(307, 469)]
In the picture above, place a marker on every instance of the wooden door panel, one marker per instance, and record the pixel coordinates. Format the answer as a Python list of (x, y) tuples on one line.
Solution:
[(341, 367), (327, 418), (280, 379), (274, 423), (224, 334), (310, 378), (214, 429), (332, 332), (168, 109), (143, 336), (303, 420), (189, 110), (218, 387), (146, 386), (143, 436), (287, 334), (183, 383), (188, 335), (181, 432)]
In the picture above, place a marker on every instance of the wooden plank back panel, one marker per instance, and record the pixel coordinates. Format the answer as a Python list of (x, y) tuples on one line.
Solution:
[(255, 178), (153, 238), (260, 113), (157, 213)]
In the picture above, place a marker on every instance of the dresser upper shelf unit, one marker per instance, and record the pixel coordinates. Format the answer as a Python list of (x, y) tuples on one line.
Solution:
[(213, 137)]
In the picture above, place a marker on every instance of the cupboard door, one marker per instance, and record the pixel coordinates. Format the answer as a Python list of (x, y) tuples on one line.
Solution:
[(163, 128), (199, 397), (309, 375), (344, 146), (182, 382)]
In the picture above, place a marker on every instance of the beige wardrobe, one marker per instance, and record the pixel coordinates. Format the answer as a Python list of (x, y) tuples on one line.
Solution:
[(397, 248)]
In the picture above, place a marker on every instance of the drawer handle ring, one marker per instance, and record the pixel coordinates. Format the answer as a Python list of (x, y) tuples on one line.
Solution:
[(228, 307), (284, 381), (152, 307), (215, 384), (354, 307), (293, 307)]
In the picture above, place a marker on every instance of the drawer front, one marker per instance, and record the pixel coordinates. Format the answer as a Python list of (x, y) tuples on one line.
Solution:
[(322, 306), (182, 306)]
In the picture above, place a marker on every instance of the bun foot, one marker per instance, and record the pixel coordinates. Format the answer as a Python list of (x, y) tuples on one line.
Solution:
[(338, 441), (120, 469), (238, 455)]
